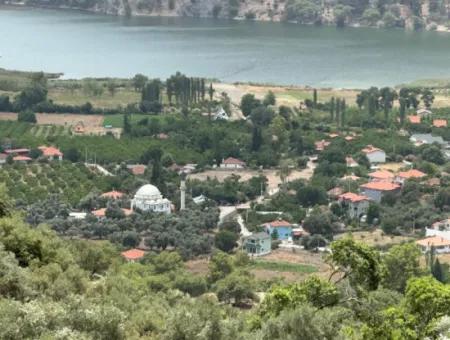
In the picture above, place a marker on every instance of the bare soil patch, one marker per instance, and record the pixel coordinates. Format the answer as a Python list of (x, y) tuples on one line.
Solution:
[(8, 116), (376, 238), (89, 121)]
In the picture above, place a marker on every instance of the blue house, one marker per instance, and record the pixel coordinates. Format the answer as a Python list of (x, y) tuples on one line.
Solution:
[(258, 244), (283, 229)]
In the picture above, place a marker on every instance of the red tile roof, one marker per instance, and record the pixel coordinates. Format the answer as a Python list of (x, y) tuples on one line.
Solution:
[(380, 186), (113, 194), (413, 173), (138, 169), (351, 162), (50, 151), (349, 138), (436, 241), (133, 254), (279, 223), (231, 160), (321, 145), (414, 119), (333, 135), (439, 123), (11, 151), (370, 149), (352, 197), (335, 191), (382, 175)]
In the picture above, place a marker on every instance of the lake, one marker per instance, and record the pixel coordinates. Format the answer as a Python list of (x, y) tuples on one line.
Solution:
[(81, 45)]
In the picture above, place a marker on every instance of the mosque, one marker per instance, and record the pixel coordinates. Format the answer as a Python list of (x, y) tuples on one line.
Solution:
[(149, 198)]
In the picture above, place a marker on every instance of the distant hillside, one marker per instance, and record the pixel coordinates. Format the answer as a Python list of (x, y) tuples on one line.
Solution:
[(410, 14)]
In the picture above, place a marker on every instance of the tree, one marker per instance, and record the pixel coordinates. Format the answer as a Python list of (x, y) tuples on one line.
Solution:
[(226, 240), (357, 262), (219, 266), (427, 98), (248, 104), (237, 287), (315, 97), (402, 263), (139, 81), (211, 92), (387, 98), (112, 87), (319, 223), (436, 271), (269, 99), (72, 154), (309, 196), (126, 124), (35, 153), (30, 96), (27, 116)]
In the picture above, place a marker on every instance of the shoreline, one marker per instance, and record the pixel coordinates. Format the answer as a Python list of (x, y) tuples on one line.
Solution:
[(439, 28)]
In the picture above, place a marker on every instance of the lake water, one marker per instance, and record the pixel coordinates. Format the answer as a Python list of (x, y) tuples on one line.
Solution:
[(81, 45)]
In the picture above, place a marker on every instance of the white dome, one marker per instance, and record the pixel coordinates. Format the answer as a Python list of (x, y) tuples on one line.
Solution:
[(148, 191)]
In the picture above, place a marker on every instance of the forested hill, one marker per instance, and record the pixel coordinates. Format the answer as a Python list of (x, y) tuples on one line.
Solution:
[(411, 14)]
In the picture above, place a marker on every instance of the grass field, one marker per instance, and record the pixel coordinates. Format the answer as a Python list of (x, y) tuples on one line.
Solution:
[(123, 97), (283, 266)]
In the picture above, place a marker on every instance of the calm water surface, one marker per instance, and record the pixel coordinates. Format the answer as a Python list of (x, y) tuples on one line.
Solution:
[(81, 45)]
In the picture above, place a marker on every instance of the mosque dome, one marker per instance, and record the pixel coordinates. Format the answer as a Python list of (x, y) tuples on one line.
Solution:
[(148, 192)]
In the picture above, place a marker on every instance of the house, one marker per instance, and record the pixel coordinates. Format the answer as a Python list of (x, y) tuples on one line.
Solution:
[(351, 163), (403, 176), (18, 152), (426, 138), (257, 244), (3, 157), (232, 163), (199, 199), (321, 145), (101, 213), (335, 192), (357, 205), (441, 225), (376, 190), (137, 169), (51, 153), (414, 119), (424, 112), (77, 215), (381, 176), (281, 228), (333, 135), (22, 159), (439, 123), (162, 136), (112, 195), (133, 255), (221, 114), (374, 155), (349, 138), (350, 178), (440, 244)]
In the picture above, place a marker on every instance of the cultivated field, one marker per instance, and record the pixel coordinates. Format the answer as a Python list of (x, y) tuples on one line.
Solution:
[(376, 238), (8, 116), (69, 119)]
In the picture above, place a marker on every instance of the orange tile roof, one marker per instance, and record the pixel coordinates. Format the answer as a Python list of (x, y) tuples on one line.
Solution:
[(138, 169), (350, 177), (439, 123), (11, 151), (436, 241), (321, 145), (333, 135), (113, 194), (382, 175), (335, 191), (380, 186), (413, 173), (352, 197), (414, 119), (349, 138), (279, 223), (102, 212), (133, 254), (370, 149), (350, 161), (50, 151), (231, 160)]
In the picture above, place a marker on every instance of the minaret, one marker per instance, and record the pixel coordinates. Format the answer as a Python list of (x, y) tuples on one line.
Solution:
[(183, 192)]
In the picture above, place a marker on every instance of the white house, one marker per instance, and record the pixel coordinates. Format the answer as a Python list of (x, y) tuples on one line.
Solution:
[(221, 115), (375, 190), (440, 244), (232, 163), (149, 198), (374, 155), (357, 205)]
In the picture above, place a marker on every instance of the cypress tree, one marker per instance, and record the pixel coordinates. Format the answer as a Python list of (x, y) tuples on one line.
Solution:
[(436, 271), (315, 98), (332, 108), (342, 112), (211, 92), (338, 111)]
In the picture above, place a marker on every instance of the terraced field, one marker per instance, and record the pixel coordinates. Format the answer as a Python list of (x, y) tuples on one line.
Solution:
[(50, 131)]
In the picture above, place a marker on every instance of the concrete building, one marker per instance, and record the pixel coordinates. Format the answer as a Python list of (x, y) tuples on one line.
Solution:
[(149, 198), (376, 190), (356, 205), (283, 229), (440, 244), (232, 163), (258, 244), (374, 155)]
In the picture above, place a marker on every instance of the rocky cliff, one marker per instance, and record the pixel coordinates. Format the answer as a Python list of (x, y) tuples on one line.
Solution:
[(410, 14)]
